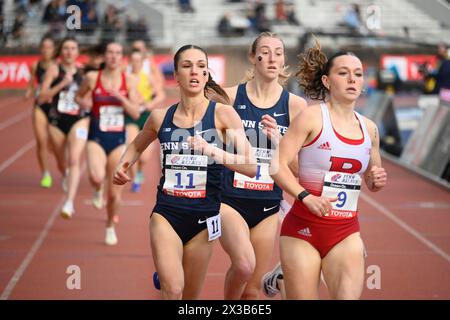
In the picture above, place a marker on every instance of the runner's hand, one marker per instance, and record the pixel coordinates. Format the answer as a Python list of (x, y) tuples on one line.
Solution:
[(68, 79), (120, 175), (378, 176), (270, 128), (320, 206), (197, 143)]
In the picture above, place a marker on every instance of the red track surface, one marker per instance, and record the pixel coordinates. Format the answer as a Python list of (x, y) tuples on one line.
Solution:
[(406, 230)]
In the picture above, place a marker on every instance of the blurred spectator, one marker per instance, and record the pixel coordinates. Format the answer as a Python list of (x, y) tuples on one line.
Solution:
[(89, 21), (290, 13), (224, 26), (280, 13), (443, 72), (2, 31), (137, 30), (17, 30), (185, 6), (54, 16), (111, 24), (262, 24), (232, 26), (352, 19)]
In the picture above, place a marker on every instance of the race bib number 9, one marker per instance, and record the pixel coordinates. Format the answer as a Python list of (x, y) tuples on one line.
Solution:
[(185, 175), (111, 119), (262, 181), (346, 187), (66, 102)]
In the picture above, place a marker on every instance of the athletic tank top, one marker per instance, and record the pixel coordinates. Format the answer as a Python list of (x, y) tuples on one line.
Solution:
[(333, 161), (107, 110), (190, 181), (144, 87), (262, 185), (64, 101)]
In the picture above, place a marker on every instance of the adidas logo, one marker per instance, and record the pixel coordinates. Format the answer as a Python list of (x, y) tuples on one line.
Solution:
[(305, 232), (325, 146)]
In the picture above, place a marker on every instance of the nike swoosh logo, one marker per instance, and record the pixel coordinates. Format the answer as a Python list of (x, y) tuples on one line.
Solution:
[(278, 114), (200, 221), (200, 132), (268, 209)]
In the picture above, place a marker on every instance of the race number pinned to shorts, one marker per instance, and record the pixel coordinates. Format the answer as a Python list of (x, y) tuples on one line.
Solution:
[(214, 227), (185, 175), (111, 119), (66, 101), (346, 187), (262, 181)]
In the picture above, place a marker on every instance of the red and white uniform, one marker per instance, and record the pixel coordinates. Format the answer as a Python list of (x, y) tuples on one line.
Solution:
[(331, 165)]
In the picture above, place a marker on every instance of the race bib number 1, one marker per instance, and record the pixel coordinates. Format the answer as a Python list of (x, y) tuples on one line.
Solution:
[(346, 187), (262, 181), (185, 175), (111, 119)]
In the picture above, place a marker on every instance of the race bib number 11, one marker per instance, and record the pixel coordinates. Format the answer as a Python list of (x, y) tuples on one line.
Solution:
[(346, 187), (185, 175)]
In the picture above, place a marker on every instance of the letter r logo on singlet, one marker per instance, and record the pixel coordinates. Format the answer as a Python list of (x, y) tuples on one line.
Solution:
[(345, 165)]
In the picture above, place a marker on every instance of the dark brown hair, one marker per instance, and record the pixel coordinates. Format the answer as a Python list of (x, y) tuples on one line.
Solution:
[(66, 39), (312, 66), (250, 74), (210, 84)]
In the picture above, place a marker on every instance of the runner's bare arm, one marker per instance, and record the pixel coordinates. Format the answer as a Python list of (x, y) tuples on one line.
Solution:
[(146, 136), (375, 175), (228, 121), (83, 97), (299, 130), (47, 93)]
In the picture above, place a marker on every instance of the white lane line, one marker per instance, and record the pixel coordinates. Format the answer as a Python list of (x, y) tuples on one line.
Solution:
[(15, 119), (34, 248), (17, 155), (405, 226)]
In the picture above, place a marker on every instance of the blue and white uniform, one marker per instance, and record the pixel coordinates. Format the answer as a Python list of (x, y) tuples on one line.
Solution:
[(190, 188), (258, 197)]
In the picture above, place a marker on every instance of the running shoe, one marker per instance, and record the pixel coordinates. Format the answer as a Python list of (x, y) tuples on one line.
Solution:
[(67, 210), (156, 282), (46, 181), (135, 187), (111, 238), (269, 283), (139, 179)]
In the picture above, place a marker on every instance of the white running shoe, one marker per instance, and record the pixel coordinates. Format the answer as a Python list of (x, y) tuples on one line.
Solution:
[(111, 238), (269, 283), (97, 200), (67, 210)]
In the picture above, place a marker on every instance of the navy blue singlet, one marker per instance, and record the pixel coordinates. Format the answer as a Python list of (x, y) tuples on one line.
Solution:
[(191, 183), (262, 185)]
